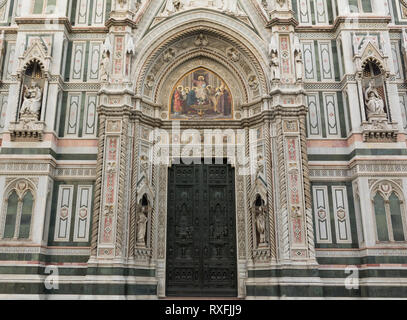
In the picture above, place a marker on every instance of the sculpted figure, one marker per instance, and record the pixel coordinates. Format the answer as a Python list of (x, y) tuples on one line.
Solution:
[(374, 102), (142, 220), (261, 224), (275, 66), (274, 60), (298, 65), (32, 100), (105, 67), (172, 6), (298, 58)]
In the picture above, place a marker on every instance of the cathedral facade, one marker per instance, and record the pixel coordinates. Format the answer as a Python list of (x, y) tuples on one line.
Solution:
[(251, 149)]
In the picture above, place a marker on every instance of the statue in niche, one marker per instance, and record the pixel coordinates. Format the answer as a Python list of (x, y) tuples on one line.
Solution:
[(142, 219), (105, 67), (32, 101), (261, 224), (274, 60), (275, 66), (298, 58), (374, 103)]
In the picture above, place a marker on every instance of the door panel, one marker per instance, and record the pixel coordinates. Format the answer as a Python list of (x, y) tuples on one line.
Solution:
[(201, 240)]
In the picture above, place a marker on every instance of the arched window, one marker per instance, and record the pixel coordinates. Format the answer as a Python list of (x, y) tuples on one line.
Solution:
[(381, 220), (18, 213), (11, 216), (359, 223), (44, 6), (396, 219), (389, 215), (359, 6), (26, 213)]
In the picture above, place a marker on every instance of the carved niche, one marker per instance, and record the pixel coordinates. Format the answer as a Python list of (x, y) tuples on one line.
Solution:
[(372, 75), (33, 73)]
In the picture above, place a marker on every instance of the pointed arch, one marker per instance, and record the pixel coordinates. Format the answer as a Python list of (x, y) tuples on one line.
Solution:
[(156, 47), (389, 211), (18, 210)]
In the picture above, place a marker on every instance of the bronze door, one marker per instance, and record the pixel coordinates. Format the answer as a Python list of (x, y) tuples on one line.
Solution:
[(201, 231)]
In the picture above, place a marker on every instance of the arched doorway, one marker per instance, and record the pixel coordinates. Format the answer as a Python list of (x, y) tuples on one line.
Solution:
[(191, 53)]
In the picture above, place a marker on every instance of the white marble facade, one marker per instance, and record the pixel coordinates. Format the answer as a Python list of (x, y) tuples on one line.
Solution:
[(319, 83)]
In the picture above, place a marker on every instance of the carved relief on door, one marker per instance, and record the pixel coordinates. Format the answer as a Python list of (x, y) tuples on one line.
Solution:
[(201, 241)]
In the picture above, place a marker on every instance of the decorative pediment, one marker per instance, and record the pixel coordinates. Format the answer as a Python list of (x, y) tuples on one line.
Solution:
[(259, 189), (144, 185), (144, 188), (369, 52), (36, 52)]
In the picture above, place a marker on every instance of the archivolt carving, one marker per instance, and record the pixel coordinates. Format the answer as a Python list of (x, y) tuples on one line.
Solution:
[(166, 84), (219, 52), (194, 29)]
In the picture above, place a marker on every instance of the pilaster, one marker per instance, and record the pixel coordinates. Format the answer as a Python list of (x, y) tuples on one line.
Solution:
[(112, 203), (294, 216)]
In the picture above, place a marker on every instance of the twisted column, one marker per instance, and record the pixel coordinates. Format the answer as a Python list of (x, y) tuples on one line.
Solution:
[(98, 185), (285, 235), (269, 172), (249, 191), (122, 186), (133, 199), (307, 188)]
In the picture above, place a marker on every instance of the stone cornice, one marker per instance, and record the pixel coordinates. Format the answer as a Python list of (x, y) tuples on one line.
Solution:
[(342, 19), (127, 22), (133, 114), (282, 22), (42, 20)]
